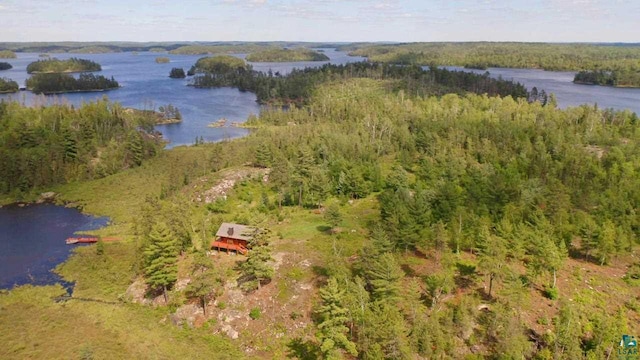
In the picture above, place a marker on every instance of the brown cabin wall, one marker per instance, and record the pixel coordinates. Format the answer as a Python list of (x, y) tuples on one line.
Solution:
[(233, 241)]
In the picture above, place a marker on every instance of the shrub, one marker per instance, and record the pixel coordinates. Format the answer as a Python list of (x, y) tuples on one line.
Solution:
[(551, 293), (255, 313)]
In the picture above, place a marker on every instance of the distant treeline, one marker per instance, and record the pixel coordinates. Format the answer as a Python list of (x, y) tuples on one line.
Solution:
[(618, 78), (61, 83), (557, 57), (297, 86), (5, 66), (287, 55), (42, 146), (8, 86), (61, 66)]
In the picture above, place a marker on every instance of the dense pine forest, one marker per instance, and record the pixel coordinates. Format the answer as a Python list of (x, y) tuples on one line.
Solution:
[(44, 146), (62, 83), (297, 86), (618, 78)]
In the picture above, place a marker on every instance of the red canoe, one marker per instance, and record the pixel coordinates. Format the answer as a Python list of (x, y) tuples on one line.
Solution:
[(81, 240)]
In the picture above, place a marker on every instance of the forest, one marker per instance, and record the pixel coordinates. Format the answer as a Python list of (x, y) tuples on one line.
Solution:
[(286, 55), (8, 86), (55, 83), (552, 57), (62, 66), (5, 66), (617, 78), (44, 146), (297, 86), (177, 73)]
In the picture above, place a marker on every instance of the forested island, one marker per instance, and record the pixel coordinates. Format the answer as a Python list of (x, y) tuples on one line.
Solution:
[(7, 54), (286, 55), (617, 78), (94, 50), (299, 84), (57, 83), (162, 60), (5, 66), (8, 86), (63, 66), (177, 73), (553, 57)]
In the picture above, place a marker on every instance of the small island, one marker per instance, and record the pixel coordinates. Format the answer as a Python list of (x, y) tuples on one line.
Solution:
[(616, 78), (7, 54), (165, 115), (221, 64), (287, 55), (177, 73), (5, 66), (64, 83), (94, 50), (62, 66), (8, 86), (162, 60)]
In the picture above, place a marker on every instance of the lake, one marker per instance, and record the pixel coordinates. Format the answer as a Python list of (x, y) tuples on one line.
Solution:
[(568, 94), (146, 85), (32, 242)]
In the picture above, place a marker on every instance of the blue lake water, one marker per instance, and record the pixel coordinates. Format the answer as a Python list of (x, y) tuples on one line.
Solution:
[(146, 85), (32, 242)]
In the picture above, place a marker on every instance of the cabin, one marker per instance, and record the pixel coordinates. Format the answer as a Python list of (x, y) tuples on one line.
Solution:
[(233, 237)]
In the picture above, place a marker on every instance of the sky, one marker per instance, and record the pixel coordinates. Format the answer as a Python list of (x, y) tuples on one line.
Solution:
[(320, 20)]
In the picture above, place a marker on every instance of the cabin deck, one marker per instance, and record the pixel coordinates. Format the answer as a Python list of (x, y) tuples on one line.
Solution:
[(227, 246)]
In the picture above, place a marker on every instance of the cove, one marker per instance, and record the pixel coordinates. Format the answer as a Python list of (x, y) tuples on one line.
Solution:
[(32, 242)]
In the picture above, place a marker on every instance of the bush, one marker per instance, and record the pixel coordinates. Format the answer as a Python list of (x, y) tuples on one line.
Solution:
[(255, 313), (551, 293)]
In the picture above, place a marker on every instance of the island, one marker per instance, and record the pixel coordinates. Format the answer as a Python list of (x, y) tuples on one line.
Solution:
[(616, 78), (162, 60), (64, 83), (221, 65), (8, 86), (5, 66), (94, 50), (62, 66), (7, 54), (165, 115), (287, 55), (157, 50), (177, 73)]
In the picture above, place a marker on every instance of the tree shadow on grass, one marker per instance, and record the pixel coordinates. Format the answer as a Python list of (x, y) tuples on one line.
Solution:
[(323, 228), (303, 350)]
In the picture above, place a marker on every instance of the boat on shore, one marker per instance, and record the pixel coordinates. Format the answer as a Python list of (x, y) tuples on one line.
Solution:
[(81, 240)]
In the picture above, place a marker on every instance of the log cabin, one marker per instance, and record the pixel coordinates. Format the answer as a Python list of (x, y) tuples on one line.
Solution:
[(233, 237)]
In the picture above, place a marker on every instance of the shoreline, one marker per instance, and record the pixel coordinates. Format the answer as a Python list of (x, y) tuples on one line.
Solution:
[(74, 91), (610, 86)]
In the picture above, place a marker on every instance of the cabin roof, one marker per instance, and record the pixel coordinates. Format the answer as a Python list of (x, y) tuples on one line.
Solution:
[(236, 231)]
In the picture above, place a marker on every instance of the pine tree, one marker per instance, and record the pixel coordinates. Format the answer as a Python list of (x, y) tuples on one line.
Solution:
[(161, 258), (205, 280), (257, 268), (333, 216), (383, 276), (332, 317)]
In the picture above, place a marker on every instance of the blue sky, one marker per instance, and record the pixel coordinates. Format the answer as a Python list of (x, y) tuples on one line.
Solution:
[(320, 20)]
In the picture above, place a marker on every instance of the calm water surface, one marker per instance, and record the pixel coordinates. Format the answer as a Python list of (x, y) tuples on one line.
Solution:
[(32, 241), (146, 85)]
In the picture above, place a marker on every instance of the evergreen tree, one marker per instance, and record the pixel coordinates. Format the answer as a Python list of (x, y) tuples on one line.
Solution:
[(332, 319), (257, 268), (161, 258), (205, 280), (333, 216), (384, 275)]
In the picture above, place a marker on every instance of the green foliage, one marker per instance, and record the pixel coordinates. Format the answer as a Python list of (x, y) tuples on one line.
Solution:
[(298, 86), (62, 66), (383, 275), (551, 293), (618, 78), (553, 57), (100, 247), (177, 73), (8, 86), (56, 83), (43, 146), (332, 215), (7, 54), (286, 55), (257, 268), (161, 258), (162, 60), (332, 319), (206, 280), (255, 313)]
